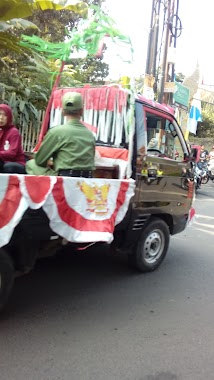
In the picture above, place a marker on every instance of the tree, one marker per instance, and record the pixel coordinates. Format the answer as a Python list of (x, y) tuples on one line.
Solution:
[(29, 86), (89, 69), (179, 77), (206, 127), (12, 13), (14, 86), (10, 9)]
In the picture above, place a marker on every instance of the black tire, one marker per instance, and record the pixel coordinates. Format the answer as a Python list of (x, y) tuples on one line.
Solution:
[(205, 179), (152, 246), (7, 275)]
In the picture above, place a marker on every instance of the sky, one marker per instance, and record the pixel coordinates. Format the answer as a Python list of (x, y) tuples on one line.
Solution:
[(194, 45)]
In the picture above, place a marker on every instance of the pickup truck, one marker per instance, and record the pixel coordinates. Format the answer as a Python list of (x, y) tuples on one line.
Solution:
[(141, 192)]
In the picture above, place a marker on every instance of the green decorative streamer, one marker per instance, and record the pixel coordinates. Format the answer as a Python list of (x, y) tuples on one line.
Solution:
[(52, 50), (86, 37)]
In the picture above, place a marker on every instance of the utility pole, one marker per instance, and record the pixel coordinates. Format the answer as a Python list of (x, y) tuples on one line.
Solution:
[(175, 33), (166, 46), (150, 41), (151, 60), (165, 11), (153, 39), (156, 36)]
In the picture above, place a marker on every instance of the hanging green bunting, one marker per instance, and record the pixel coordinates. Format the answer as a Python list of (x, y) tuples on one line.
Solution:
[(87, 37)]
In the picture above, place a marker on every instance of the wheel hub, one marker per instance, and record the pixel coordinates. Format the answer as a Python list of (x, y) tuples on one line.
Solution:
[(154, 245)]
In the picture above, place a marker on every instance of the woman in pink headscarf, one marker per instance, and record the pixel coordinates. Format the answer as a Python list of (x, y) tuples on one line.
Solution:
[(12, 159)]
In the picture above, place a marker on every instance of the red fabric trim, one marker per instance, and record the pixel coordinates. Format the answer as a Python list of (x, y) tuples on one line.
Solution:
[(33, 183), (103, 99), (111, 98), (10, 203), (108, 152), (122, 99), (57, 96)]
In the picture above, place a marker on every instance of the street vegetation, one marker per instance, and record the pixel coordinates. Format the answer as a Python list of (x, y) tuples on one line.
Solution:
[(27, 76)]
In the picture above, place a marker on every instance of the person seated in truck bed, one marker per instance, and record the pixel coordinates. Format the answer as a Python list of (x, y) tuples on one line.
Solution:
[(12, 159), (71, 146)]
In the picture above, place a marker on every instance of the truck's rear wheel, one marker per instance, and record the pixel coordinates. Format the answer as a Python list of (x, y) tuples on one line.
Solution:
[(7, 274), (151, 247)]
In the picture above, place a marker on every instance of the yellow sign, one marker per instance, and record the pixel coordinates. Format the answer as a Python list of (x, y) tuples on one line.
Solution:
[(169, 87), (149, 80), (125, 82)]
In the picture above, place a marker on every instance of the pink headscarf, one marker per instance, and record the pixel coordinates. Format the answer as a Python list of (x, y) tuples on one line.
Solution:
[(9, 114)]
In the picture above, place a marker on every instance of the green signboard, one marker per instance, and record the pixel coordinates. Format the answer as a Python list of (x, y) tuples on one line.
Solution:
[(181, 96)]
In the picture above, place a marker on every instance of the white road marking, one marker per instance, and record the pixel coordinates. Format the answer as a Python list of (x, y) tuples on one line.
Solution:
[(204, 225), (204, 216), (202, 230), (206, 200)]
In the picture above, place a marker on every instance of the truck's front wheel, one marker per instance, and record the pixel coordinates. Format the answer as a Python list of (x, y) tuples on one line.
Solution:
[(151, 247), (6, 276)]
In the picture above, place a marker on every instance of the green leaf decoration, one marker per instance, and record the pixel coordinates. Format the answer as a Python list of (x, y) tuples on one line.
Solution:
[(87, 37)]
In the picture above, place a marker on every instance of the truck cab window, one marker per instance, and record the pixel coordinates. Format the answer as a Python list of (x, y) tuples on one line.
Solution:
[(162, 137)]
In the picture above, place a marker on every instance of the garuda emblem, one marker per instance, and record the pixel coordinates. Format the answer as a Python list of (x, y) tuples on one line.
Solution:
[(96, 196)]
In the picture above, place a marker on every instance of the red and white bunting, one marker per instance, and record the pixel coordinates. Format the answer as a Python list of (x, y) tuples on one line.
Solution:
[(80, 210)]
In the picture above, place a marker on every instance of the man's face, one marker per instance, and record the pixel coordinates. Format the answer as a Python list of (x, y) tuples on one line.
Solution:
[(3, 119), (202, 147)]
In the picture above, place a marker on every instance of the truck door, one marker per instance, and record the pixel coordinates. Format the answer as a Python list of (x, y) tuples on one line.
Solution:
[(162, 172)]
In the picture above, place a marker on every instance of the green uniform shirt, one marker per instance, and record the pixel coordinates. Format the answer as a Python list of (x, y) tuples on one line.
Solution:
[(71, 145)]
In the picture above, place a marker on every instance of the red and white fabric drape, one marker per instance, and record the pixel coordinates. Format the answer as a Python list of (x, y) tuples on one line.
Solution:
[(79, 209)]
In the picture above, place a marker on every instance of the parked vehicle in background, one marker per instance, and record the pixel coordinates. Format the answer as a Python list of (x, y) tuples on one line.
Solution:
[(210, 167), (142, 191), (201, 168), (197, 149), (204, 173), (197, 177)]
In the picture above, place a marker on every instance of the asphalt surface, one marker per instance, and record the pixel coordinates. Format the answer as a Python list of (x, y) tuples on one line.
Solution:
[(90, 317)]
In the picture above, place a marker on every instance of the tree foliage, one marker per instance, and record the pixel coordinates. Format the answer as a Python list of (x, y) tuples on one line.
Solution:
[(27, 77), (206, 127), (10, 9), (179, 77)]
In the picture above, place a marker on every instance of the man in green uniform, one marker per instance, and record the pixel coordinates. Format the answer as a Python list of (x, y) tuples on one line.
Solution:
[(71, 145)]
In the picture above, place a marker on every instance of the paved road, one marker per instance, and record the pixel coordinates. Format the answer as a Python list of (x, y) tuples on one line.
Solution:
[(90, 317)]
